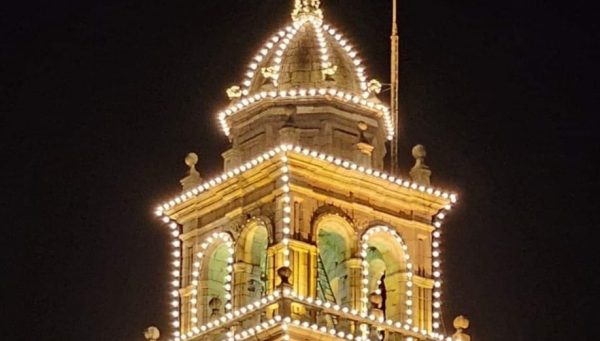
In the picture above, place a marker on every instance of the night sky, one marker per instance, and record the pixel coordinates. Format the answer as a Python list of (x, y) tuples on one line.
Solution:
[(103, 99)]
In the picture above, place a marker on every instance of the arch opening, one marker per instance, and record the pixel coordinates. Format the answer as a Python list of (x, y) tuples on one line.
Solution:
[(387, 271), (211, 296), (334, 240), (252, 264)]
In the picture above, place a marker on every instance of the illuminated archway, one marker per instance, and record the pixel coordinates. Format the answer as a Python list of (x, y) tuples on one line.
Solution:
[(251, 273), (387, 270), (336, 242), (211, 278)]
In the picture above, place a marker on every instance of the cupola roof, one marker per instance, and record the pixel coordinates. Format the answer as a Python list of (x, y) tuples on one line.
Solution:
[(307, 53), (308, 58)]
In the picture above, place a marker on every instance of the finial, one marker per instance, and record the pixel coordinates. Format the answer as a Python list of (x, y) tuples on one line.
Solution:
[(460, 324), (271, 73), (329, 71), (374, 87), (305, 10), (420, 172), (234, 92), (375, 299), (193, 178), (191, 160), (151, 333), (376, 302)]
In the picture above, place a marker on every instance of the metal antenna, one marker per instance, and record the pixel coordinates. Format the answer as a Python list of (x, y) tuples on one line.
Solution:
[(395, 65)]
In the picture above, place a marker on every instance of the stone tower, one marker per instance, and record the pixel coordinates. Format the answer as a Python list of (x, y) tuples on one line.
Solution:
[(303, 236)]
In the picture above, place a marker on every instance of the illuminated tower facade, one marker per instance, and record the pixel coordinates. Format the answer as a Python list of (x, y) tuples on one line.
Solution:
[(303, 236)]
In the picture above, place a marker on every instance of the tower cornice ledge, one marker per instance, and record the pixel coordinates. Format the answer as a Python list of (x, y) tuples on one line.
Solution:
[(266, 167)]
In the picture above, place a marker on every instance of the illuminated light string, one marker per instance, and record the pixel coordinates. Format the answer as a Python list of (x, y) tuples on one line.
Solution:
[(258, 58), (327, 93), (360, 70), (227, 317), (323, 49), (365, 268), (291, 33), (380, 322), (170, 204), (287, 210), (436, 252), (175, 273), (257, 329), (276, 295), (313, 328), (215, 238)]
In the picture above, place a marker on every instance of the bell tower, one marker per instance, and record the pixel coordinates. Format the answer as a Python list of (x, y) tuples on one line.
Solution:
[(303, 235)]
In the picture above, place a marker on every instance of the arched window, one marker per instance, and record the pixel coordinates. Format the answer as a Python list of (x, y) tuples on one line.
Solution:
[(335, 240), (251, 273), (389, 271), (251, 264), (213, 275), (216, 271)]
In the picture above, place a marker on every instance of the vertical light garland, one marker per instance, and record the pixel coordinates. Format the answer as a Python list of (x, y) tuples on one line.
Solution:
[(285, 328), (257, 60), (436, 254), (323, 49), (361, 74), (283, 45), (176, 254), (359, 69), (287, 209), (365, 271), (214, 238)]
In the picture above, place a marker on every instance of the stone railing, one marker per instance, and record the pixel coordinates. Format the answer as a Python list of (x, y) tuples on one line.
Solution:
[(283, 309)]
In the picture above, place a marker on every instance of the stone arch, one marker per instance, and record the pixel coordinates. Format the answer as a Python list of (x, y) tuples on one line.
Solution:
[(212, 277), (387, 270), (251, 263), (327, 210), (336, 242)]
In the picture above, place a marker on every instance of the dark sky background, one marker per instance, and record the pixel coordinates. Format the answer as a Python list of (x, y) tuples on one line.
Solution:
[(103, 99)]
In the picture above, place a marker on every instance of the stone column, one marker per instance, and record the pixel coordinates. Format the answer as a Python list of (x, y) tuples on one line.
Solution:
[(241, 276), (354, 282), (303, 259), (396, 296)]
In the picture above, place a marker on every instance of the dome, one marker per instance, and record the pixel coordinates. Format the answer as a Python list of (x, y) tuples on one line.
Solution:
[(307, 55), (308, 58)]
